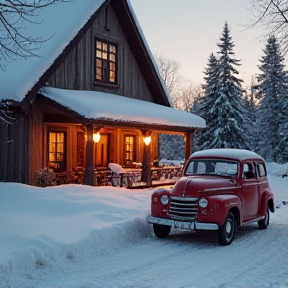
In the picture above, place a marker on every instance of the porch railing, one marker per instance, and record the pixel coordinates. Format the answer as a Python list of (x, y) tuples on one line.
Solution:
[(129, 177)]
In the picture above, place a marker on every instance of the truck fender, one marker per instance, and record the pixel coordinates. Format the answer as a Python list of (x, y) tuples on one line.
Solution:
[(226, 203), (266, 200)]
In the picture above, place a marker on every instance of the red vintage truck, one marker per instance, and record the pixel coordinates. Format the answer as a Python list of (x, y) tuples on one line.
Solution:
[(220, 189)]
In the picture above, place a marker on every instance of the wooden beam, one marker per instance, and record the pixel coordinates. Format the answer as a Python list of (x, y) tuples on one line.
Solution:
[(89, 167), (188, 142), (146, 168)]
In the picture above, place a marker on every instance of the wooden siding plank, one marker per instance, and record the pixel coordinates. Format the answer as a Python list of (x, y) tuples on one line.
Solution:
[(77, 71)]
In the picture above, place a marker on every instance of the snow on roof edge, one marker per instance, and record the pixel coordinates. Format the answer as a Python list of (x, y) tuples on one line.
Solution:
[(97, 105), (37, 66)]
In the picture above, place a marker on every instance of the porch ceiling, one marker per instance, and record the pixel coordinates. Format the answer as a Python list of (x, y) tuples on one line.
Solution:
[(105, 108)]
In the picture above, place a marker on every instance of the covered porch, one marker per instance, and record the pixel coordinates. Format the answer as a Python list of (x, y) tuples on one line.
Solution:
[(86, 134)]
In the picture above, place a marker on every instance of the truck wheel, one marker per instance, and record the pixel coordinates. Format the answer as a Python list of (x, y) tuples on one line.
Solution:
[(263, 224), (161, 231), (226, 232)]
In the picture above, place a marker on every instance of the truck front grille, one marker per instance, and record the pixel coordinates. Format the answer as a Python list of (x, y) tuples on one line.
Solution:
[(184, 208)]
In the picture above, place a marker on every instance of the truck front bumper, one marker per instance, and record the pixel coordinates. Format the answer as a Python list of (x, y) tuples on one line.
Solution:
[(187, 225)]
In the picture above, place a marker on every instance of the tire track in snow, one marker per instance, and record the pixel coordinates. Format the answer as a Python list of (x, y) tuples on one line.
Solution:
[(256, 258)]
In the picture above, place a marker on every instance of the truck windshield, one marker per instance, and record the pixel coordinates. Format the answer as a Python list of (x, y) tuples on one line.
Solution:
[(211, 167)]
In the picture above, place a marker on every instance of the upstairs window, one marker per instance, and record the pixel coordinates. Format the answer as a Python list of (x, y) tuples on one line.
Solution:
[(106, 62)]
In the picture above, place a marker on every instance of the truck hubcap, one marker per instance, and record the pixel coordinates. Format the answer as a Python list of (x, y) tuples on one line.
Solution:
[(228, 228)]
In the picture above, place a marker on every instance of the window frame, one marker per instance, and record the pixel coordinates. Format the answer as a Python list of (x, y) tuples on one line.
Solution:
[(105, 73), (261, 167), (58, 166), (134, 148)]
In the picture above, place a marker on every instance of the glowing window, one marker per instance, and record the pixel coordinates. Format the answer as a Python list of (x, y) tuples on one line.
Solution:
[(106, 62)]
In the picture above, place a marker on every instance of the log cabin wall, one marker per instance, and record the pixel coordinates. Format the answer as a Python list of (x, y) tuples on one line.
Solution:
[(77, 71), (35, 148), (14, 151)]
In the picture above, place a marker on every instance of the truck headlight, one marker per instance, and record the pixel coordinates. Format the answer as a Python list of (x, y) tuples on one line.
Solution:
[(164, 199), (203, 202)]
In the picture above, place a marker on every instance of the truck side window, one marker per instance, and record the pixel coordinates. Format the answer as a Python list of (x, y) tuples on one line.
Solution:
[(248, 171), (261, 169)]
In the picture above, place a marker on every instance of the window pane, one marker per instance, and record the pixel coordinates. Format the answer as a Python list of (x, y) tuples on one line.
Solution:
[(112, 57), (52, 157), (112, 67), (112, 49), (112, 76), (105, 47), (105, 55), (59, 157), (60, 147), (98, 54), (99, 45), (99, 74), (52, 137), (52, 147), (60, 137), (99, 63)]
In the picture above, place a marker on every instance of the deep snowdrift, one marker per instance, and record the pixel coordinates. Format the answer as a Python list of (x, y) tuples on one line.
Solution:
[(47, 230)]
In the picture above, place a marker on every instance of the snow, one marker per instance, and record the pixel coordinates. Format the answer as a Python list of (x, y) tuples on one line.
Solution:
[(98, 105), (28, 70), (82, 236), (116, 168), (239, 154), (71, 16)]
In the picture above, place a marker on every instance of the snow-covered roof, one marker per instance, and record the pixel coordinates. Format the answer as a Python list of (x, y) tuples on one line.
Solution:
[(237, 154), (18, 76), (105, 106)]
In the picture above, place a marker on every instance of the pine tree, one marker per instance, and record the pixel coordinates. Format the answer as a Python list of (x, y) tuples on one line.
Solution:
[(222, 105), (206, 103), (250, 108), (272, 112)]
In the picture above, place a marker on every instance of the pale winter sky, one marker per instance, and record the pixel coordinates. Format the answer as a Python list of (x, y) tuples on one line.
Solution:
[(188, 32)]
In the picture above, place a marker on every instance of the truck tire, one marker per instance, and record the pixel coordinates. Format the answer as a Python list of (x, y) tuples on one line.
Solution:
[(161, 231), (226, 232), (263, 224)]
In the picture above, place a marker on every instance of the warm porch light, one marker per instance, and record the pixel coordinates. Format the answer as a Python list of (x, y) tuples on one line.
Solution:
[(96, 137), (147, 140)]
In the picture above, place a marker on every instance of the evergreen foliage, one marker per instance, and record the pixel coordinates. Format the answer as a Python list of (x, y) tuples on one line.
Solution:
[(222, 105), (273, 109), (250, 108)]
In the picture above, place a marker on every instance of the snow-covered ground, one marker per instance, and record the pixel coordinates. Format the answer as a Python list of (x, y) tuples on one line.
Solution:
[(79, 236)]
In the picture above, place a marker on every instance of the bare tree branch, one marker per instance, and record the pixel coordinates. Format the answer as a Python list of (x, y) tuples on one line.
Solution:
[(13, 15), (169, 71), (272, 15)]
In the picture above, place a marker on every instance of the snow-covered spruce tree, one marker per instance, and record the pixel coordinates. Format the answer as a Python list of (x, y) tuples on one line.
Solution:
[(205, 104), (272, 111), (250, 108), (222, 106)]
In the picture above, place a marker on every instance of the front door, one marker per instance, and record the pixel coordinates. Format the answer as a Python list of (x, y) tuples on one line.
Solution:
[(102, 151)]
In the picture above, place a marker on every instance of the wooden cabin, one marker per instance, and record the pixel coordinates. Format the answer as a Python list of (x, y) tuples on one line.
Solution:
[(90, 99)]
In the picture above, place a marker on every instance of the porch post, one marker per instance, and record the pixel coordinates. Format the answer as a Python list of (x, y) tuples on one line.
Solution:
[(188, 136), (146, 169), (89, 167)]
